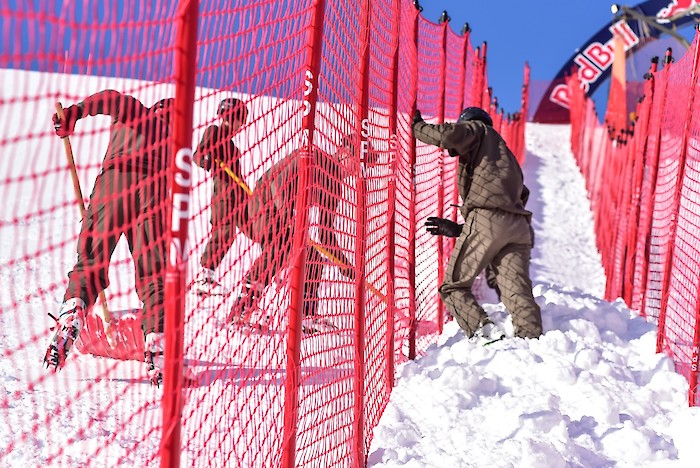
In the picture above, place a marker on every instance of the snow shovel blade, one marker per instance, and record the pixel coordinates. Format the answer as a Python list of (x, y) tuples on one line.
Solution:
[(124, 341)]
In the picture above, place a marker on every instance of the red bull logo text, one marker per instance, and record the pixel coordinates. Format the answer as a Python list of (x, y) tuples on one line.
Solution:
[(677, 9), (594, 60)]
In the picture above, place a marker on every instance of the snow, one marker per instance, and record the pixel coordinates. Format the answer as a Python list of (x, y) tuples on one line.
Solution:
[(591, 392)]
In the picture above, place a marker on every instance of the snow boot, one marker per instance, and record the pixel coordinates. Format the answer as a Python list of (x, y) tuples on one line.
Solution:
[(68, 326), (207, 284)]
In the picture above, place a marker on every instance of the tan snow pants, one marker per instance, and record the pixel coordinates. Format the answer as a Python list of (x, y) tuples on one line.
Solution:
[(502, 239)]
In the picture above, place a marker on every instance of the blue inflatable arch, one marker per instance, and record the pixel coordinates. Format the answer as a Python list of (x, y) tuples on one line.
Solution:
[(638, 26)]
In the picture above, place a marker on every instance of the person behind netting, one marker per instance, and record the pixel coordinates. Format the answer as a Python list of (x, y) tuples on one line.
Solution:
[(271, 209), (218, 154), (129, 197), (496, 229), (445, 227)]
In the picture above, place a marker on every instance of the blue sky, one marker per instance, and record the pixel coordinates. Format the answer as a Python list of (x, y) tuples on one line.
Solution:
[(544, 33)]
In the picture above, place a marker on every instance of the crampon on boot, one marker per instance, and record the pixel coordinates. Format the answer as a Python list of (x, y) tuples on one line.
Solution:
[(155, 361), (69, 323)]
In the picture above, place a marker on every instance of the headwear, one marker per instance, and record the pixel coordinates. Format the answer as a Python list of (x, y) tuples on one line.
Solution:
[(164, 104), (233, 107), (475, 113)]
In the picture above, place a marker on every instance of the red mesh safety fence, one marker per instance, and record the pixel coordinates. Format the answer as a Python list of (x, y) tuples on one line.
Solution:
[(429, 173), (404, 216), (643, 185), (95, 410), (647, 153), (678, 313), (458, 52), (513, 125), (244, 198), (288, 234)]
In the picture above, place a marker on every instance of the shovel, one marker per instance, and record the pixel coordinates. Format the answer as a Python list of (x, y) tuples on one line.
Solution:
[(115, 334)]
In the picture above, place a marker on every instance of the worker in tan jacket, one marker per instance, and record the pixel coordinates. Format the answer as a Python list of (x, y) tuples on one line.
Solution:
[(497, 226)]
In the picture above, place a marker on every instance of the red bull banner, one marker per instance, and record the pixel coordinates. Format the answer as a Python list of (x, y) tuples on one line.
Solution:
[(592, 63)]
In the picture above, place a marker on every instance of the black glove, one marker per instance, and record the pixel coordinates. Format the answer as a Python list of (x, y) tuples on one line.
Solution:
[(417, 117), (66, 126), (443, 227)]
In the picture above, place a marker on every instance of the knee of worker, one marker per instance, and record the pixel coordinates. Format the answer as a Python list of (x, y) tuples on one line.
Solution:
[(448, 288), (151, 290), (87, 281), (515, 292), (153, 319)]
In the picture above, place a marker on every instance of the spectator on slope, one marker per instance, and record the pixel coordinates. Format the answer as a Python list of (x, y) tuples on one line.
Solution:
[(218, 154), (497, 226), (445, 227), (271, 212), (129, 197)]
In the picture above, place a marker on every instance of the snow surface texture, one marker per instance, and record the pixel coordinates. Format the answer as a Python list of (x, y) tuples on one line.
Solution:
[(591, 392)]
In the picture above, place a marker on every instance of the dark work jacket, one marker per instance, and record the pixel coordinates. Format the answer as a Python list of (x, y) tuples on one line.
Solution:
[(272, 206), (138, 136), (489, 175), (228, 197)]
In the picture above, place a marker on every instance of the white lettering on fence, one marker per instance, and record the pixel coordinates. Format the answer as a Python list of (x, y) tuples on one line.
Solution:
[(180, 207), (308, 82), (183, 161)]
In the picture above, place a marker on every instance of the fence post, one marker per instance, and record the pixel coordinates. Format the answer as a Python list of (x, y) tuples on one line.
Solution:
[(522, 117), (412, 205), (391, 218), (477, 86), (440, 208), (661, 329), (291, 383), (362, 123), (185, 62), (484, 100), (641, 231), (462, 80), (653, 165), (449, 243)]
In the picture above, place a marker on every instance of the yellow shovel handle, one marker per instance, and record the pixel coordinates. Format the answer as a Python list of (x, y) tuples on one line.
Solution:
[(79, 198)]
